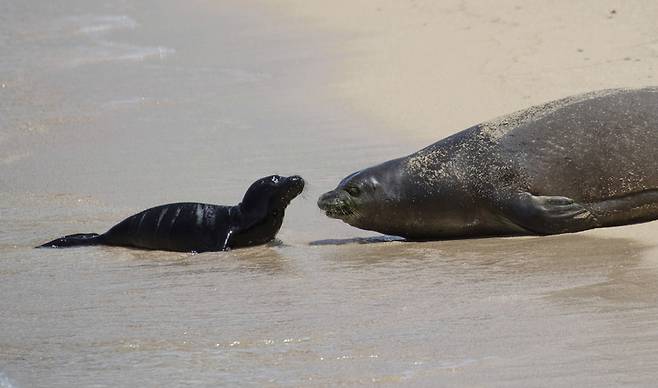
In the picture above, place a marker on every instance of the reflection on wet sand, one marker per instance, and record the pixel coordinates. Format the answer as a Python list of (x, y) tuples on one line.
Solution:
[(551, 253), (264, 259), (618, 264), (357, 240)]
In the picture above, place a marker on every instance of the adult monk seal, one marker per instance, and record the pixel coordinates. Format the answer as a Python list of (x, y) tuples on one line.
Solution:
[(198, 227), (577, 163)]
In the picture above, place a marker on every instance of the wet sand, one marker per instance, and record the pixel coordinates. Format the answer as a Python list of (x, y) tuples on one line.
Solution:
[(106, 109)]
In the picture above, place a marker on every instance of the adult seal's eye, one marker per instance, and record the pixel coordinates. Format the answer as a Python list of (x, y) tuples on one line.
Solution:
[(353, 191)]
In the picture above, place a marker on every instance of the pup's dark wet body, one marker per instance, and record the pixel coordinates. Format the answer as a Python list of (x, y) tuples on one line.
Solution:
[(199, 227), (578, 163)]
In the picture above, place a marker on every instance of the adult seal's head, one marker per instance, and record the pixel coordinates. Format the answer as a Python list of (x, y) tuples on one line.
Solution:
[(357, 196), (388, 199), (373, 198)]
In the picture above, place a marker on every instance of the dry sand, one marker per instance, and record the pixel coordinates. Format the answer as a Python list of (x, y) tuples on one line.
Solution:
[(430, 68)]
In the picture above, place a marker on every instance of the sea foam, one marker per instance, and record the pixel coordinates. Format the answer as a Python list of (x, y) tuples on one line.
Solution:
[(5, 382), (102, 24)]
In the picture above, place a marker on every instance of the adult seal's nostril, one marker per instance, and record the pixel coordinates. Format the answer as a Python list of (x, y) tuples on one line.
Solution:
[(202, 227)]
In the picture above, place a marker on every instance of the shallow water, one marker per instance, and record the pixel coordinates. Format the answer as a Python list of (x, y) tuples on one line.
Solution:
[(107, 109)]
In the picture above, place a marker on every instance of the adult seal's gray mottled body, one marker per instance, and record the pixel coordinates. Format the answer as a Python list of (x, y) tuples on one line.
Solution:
[(582, 162), (199, 227)]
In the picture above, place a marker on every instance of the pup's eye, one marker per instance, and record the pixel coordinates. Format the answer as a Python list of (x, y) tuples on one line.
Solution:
[(353, 191), (275, 179)]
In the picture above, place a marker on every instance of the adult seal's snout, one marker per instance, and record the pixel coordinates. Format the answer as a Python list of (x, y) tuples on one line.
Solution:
[(335, 204), (328, 200), (202, 227)]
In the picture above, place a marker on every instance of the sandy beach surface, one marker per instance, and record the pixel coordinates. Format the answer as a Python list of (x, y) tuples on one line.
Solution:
[(107, 108)]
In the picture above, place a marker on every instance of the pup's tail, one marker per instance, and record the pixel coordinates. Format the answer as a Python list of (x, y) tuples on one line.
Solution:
[(74, 240)]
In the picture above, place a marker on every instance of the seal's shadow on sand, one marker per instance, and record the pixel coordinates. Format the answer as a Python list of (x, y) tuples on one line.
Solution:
[(387, 238), (357, 240)]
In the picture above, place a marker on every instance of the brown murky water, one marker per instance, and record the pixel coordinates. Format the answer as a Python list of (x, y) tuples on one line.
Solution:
[(109, 108)]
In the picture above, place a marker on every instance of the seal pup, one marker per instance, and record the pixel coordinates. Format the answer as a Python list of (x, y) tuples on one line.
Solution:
[(581, 162), (199, 227)]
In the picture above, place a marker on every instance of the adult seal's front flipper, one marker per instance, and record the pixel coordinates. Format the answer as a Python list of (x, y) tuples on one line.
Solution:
[(547, 214)]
